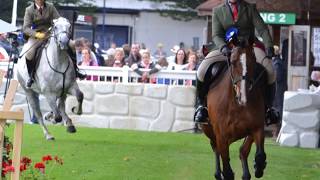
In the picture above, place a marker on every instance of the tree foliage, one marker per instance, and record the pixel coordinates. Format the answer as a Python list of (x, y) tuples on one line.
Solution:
[(6, 6), (182, 9)]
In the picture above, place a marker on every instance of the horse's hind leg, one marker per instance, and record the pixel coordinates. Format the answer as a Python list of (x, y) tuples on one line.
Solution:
[(33, 99), (65, 117), (75, 91), (244, 153), (260, 157)]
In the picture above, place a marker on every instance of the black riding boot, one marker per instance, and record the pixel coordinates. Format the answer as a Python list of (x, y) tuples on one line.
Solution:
[(30, 67), (76, 68), (201, 114), (272, 115)]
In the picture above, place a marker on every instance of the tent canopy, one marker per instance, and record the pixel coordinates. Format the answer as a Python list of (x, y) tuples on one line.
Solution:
[(6, 27)]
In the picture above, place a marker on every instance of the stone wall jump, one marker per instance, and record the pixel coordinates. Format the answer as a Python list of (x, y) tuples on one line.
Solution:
[(148, 107), (301, 120)]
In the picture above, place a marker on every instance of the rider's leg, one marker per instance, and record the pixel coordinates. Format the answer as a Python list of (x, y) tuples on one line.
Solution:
[(201, 113), (272, 115), (30, 47), (72, 53)]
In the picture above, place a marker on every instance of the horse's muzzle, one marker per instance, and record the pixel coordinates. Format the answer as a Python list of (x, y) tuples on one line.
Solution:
[(63, 40)]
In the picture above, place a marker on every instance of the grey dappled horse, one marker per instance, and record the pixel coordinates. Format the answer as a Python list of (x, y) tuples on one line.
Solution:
[(55, 77)]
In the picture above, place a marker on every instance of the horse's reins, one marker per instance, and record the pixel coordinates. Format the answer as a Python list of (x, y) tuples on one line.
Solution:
[(59, 72), (38, 42)]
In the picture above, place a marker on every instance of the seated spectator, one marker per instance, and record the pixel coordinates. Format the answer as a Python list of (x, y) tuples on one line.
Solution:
[(192, 62), (164, 65), (118, 58), (83, 43), (126, 50), (174, 50), (191, 66), (146, 63), (180, 61), (87, 60), (134, 56), (159, 52), (98, 53)]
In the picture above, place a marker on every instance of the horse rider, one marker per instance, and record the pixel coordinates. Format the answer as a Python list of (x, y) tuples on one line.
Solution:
[(36, 23), (245, 17)]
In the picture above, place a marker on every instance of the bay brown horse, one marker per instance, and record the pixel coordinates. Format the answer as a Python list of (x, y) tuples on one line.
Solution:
[(237, 110)]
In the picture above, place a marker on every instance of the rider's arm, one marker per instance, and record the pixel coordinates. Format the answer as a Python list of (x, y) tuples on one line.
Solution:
[(55, 13), (260, 26), (27, 23), (217, 29)]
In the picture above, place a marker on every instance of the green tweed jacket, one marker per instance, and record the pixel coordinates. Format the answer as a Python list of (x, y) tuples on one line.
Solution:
[(248, 20), (35, 22)]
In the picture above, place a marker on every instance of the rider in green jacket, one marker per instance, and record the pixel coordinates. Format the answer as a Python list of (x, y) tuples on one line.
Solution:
[(245, 17)]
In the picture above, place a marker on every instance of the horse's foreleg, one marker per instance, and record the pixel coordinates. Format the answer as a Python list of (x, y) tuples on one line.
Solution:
[(33, 99), (75, 91), (65, 117), (223, 150), (52, 101), (217, 174), (244, 153), (260, 157)]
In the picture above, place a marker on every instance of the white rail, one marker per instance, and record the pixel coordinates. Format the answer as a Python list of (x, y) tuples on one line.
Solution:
[(126, 75)]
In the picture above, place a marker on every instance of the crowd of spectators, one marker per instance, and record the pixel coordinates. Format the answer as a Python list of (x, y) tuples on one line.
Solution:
[(138, 57)]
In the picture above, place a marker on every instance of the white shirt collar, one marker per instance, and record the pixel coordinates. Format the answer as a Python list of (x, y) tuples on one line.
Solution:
[(38, 7)]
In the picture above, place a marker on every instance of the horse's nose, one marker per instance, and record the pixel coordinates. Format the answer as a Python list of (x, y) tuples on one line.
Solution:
[(64, 39)]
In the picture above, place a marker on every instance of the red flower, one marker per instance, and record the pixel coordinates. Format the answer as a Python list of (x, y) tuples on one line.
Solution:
[(25, 160), (46, 158), (23, 167), (58, 160), (4, 164), (39, 165), (8, 169)]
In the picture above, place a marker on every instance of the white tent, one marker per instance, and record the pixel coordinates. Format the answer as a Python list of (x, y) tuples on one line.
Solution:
[(6, 27)]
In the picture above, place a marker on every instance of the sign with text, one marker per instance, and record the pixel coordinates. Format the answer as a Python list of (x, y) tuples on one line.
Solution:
[(278, 18)]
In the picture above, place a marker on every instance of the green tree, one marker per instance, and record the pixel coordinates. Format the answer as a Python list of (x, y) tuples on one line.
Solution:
[(181, 9), (6, 6)]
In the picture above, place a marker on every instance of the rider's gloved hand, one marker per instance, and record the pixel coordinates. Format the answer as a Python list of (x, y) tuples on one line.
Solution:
[(270, 52), (225, 50), (40, 35)]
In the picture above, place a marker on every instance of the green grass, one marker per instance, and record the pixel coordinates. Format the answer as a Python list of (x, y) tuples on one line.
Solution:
[(100, 154)]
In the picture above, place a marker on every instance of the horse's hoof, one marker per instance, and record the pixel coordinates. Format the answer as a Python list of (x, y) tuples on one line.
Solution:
[(76, 111), (58, 119), (71, 129), (48, 116), (218, 176), (50, 138), (258, 173)]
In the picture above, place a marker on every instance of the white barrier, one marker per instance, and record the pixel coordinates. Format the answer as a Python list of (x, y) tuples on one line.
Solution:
[(149, 107), (126, 75), (301, 120)]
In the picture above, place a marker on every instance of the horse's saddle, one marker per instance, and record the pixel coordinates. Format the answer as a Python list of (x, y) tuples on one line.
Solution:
[(34, 63), (216, 70), (214, 73)]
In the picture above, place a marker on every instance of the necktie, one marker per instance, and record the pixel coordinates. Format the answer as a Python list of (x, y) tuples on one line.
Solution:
[(40, 10), (235, 11)]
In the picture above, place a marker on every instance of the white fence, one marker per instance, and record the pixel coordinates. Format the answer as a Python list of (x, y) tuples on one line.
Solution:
[(126, 75)]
